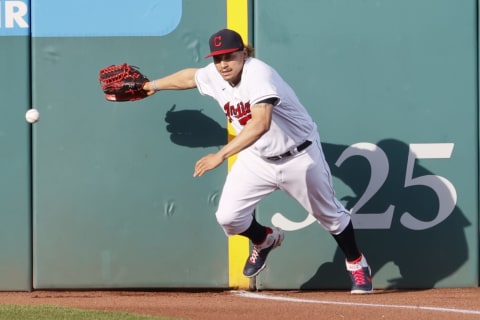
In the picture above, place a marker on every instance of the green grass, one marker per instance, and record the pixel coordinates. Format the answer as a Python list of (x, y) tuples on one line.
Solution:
[(48, 312)]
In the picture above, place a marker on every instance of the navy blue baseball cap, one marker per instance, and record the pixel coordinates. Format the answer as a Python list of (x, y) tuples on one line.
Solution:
[(225, 41)]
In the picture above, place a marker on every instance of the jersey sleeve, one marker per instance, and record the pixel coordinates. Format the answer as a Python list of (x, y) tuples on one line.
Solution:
[(262, 83), (204, 81)]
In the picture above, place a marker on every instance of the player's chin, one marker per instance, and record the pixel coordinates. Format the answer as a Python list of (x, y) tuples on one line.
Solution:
[(226, 76)]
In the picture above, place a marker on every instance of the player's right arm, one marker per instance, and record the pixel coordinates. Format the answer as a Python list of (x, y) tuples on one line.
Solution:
[(181, 80), (256, 127)]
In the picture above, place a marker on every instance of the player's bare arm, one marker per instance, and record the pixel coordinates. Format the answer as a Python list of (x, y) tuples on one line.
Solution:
[(181, 80), (253, 130)]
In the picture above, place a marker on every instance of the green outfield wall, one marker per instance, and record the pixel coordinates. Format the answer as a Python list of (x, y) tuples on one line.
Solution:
[(115, 201), (15, 200), (393, 88), (100, 194)]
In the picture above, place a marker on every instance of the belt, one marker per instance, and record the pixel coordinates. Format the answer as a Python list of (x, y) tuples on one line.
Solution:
[(287, 154)]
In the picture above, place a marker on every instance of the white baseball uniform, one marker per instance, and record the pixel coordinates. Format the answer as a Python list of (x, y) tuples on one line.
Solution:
[(304, 175)]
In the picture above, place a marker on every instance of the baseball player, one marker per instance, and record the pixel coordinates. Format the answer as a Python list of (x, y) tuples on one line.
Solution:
[(278, 147)]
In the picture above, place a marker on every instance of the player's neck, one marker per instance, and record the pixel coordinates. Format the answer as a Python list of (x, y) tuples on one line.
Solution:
[(235, 82)]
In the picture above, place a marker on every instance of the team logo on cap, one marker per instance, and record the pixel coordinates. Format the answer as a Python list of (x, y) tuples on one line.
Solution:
[(217, 41)]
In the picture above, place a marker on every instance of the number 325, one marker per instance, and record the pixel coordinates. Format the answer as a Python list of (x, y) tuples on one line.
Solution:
[(444, 189)]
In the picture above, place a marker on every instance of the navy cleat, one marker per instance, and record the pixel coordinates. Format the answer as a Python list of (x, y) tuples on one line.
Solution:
[(258, 258), (361, 276)]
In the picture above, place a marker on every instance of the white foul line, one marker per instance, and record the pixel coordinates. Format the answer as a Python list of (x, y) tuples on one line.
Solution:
[(372, 305)]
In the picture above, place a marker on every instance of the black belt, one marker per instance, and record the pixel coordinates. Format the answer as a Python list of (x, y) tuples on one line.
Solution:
[(287, 154)]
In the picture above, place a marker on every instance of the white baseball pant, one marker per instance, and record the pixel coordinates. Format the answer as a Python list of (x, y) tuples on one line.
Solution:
[(305, 177)]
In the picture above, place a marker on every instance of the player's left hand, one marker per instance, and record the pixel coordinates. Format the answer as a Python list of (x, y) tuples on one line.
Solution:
[(122, 82), (207, 163)]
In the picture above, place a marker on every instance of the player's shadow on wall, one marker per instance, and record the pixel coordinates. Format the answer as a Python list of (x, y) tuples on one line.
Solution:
[(423, 257), (194, 129)]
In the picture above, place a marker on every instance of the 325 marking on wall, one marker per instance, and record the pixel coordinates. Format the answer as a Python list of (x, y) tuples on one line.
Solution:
[(378, 161)]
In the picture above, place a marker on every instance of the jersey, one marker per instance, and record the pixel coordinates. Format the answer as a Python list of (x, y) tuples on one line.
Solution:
[(290, 125)]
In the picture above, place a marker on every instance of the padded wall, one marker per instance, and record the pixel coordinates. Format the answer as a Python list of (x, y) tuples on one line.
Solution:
[(115, 202), (392, 86), (15, 216)]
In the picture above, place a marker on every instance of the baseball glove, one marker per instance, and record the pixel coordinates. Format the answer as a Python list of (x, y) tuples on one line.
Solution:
[(122, 83)]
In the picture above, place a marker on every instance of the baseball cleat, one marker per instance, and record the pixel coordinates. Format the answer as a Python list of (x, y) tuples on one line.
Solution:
[(258, 258), (361, 276)]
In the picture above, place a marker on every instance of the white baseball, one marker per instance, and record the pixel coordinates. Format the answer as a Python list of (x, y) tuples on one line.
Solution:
[(32, 115)]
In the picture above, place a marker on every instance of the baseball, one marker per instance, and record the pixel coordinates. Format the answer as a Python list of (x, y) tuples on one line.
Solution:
[(32, 115)]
